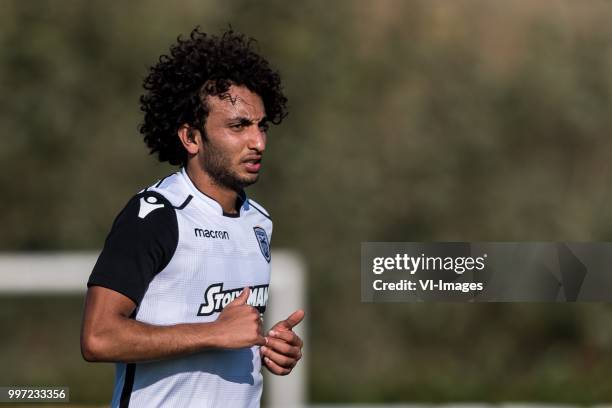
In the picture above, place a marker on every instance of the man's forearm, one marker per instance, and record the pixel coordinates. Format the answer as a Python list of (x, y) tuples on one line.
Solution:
[(129, 340), (108, 334)]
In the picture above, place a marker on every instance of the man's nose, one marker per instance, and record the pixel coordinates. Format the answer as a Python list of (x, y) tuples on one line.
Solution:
[(257, 140)]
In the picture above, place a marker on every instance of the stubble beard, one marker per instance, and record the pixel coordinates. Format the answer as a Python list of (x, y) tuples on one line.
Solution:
[(218, 166)]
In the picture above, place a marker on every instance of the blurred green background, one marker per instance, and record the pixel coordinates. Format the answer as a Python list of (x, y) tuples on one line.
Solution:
[(409, 121)]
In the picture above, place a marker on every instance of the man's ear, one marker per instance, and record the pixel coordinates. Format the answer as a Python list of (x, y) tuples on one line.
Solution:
[(190, 138)]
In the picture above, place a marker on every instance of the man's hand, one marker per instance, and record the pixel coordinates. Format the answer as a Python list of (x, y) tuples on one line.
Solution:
[(239, 325), (283, 348)]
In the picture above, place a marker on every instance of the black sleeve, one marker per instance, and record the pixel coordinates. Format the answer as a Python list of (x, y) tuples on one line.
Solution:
[(140, 244)]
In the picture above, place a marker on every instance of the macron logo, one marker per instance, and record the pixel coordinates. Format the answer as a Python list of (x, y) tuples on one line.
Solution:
[(148, 204), (206, 233)]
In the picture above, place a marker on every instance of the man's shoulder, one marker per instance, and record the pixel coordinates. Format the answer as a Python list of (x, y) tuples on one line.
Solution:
[(165, 194), (259, 208), (144, 212), (174, 192), (146, 201)]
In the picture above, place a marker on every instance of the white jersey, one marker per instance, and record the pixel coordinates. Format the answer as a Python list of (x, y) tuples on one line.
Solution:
[(174, 252)]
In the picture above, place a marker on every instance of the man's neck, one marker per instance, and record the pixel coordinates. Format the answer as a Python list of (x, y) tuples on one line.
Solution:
[(224, 196)]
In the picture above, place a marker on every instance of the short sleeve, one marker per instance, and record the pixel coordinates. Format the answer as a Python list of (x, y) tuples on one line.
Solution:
[(141, 243)]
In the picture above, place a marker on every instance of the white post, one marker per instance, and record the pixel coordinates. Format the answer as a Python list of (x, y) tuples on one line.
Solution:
[(287, 294)]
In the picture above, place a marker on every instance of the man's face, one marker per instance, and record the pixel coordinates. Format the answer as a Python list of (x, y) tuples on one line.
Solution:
[(235, 138)]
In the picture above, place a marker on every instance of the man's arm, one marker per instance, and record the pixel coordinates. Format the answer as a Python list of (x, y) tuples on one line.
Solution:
[(109, 334)]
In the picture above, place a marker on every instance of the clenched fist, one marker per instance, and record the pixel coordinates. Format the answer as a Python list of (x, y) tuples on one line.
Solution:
[(239, 325)]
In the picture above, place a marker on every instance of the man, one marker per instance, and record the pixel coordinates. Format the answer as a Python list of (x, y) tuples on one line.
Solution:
[(177, 293)]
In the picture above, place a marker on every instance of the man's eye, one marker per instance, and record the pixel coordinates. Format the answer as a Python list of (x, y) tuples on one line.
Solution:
[(264, 127), (237, 126)]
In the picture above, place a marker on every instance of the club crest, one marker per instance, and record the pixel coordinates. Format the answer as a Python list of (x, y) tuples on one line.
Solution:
[(262, 239)]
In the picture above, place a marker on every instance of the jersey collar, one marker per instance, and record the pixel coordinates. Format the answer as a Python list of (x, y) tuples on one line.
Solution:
[(210, 202)]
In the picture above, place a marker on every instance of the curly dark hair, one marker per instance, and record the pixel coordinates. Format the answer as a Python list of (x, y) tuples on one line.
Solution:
[(198, 66)]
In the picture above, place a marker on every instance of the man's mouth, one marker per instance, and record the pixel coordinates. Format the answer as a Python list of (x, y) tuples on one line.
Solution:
[(252, 165)]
